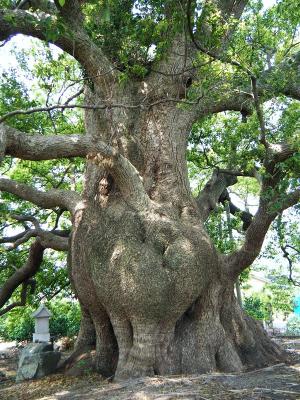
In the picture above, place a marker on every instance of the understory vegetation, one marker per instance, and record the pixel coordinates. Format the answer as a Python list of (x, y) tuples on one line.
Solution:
[(19, 324)]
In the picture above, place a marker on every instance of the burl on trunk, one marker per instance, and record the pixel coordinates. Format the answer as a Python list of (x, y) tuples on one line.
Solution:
[(152, 286)]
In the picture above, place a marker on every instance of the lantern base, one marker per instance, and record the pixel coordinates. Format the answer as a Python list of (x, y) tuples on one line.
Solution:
[(41, 337)]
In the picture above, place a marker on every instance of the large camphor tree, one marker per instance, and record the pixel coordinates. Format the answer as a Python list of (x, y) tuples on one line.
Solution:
[(157, 297)]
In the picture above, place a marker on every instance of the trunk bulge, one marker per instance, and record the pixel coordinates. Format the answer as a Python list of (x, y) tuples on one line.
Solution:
[(149, 279)]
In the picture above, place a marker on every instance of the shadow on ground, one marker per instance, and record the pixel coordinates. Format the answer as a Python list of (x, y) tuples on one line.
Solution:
[(279, 382)]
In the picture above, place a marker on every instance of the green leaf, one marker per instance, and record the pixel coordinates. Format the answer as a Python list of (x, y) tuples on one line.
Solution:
[(61, 2)]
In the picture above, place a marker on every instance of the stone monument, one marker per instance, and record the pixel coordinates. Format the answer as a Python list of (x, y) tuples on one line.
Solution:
[(41, 316), (38, 358)]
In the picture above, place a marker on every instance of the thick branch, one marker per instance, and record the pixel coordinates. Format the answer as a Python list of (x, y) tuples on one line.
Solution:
[(281, 151), (290, 200), (208, 198), (36, 147), (31, 267), (215, 191), (42, 5), (236, 262), (52, 240), (50, 199), (21, 302), (74, 41), (232, 7)]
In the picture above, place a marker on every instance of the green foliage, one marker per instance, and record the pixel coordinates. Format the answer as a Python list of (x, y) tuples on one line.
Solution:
[(51, 75), (65, 320), (283, 294), (132, 34), (258, 307), (293, 325), (19, 325)]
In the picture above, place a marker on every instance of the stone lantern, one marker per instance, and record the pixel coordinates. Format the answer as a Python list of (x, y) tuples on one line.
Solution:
[(41, 316)]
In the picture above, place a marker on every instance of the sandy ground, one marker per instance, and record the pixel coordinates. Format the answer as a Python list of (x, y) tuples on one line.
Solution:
[(279, 382)]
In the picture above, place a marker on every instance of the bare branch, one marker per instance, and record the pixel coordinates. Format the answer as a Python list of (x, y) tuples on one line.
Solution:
[(26, 236), (101, 106), (56, 240), (284, 248), (64, 107), (22, 218), (56, 292), (287, 255), (12, 239)]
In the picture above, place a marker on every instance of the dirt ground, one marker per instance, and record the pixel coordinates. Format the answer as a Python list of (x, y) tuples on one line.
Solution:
[(279, 382)]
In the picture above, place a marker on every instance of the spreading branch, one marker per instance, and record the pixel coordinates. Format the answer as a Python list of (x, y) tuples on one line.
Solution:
[(215, 191), (23, 297), (286, 249), (52, 198), (72, 39), (55, 239), (101, 106), (36, 147), (22, 274), (241, 259)]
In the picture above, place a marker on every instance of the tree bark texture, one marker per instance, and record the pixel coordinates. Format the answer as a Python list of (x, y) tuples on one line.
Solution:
[(158, 294)]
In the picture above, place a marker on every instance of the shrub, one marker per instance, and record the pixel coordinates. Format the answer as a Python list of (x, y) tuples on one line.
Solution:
[(65, 320), (257, 308), (17, 325)]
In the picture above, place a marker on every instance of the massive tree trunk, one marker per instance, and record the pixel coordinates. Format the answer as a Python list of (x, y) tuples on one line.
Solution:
[(156, 290), (156, 296)]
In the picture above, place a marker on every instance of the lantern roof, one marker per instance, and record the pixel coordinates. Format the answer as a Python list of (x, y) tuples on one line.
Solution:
[(41, 312)]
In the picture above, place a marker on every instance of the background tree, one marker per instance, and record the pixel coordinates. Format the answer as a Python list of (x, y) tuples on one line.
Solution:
[(156, 292)]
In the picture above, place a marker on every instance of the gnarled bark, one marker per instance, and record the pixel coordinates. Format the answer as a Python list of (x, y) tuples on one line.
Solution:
[(156, 296), (151, 277)]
